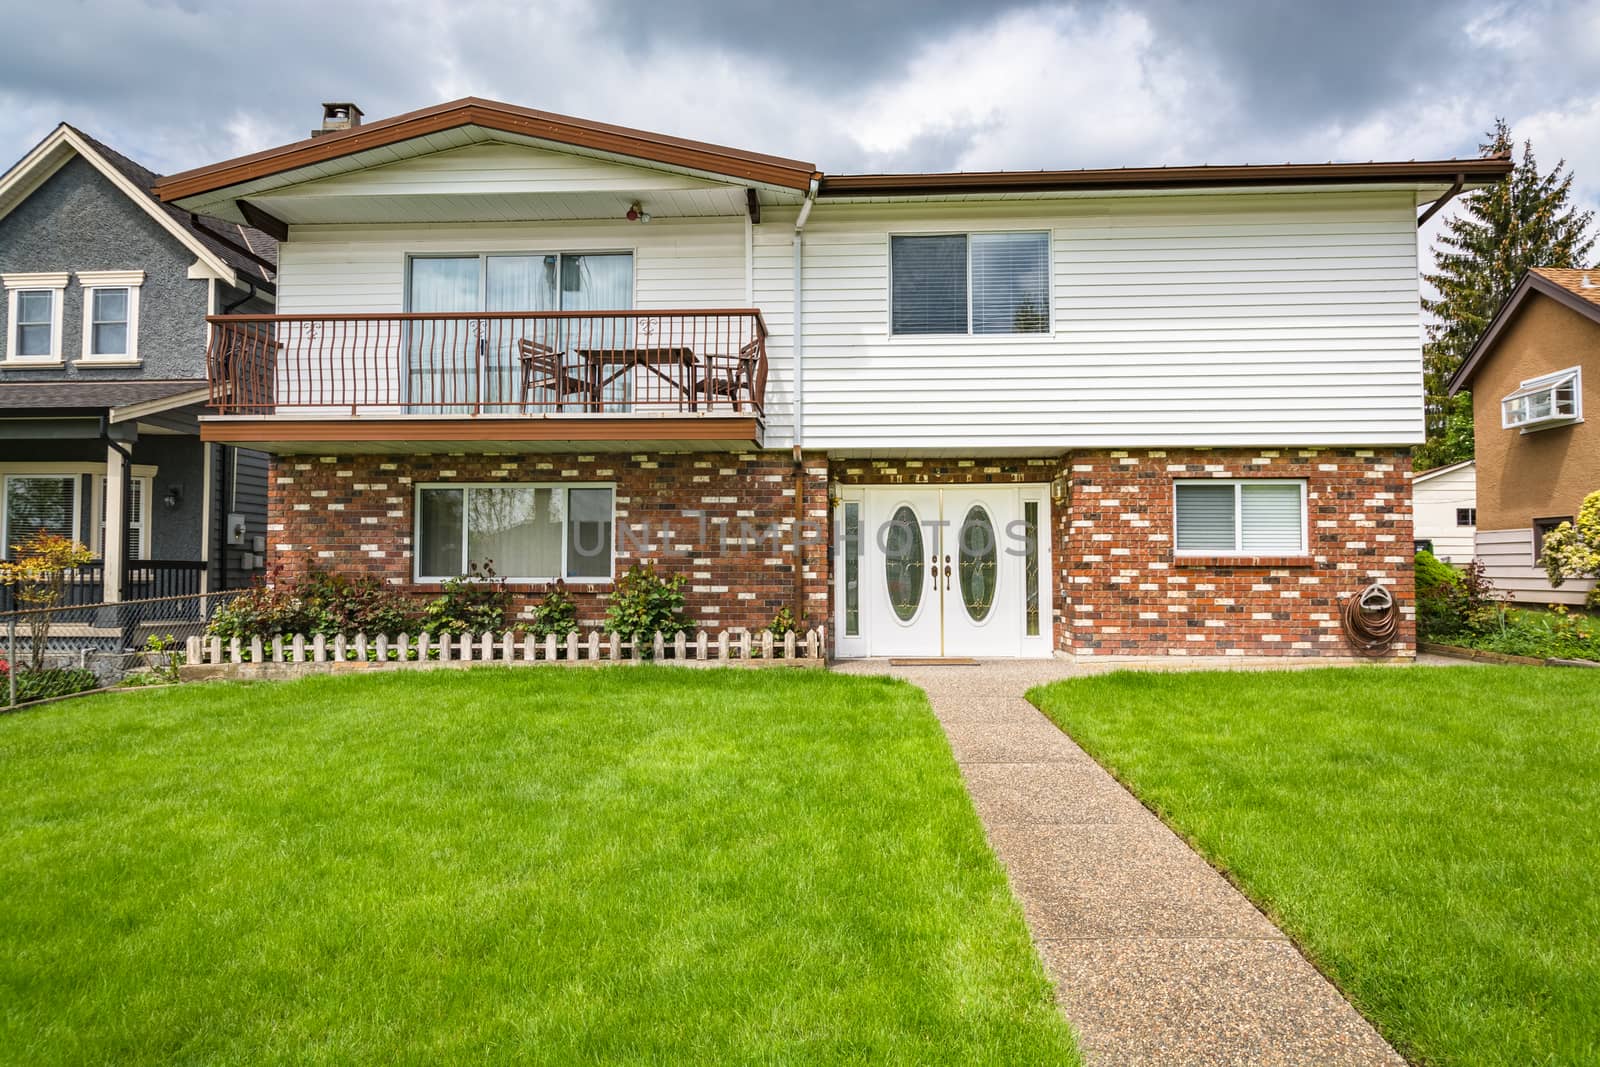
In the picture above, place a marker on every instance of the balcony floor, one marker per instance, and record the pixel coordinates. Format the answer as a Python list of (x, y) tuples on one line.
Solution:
[(411, 435)]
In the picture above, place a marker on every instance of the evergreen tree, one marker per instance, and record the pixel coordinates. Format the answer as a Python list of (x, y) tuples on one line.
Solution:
[(1525, 221)]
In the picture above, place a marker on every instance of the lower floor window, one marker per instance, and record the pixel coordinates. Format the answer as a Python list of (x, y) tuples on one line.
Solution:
[(521, 532), (1248, 516), (52, 503)]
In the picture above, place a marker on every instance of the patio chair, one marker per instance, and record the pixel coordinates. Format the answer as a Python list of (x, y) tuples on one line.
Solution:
[(741, 381), (544, 368)]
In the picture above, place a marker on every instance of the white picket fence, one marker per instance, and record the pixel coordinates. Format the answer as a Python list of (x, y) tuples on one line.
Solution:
[(726, 647)]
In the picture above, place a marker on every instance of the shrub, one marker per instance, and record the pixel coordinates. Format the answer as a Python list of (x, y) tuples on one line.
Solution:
[(556, 615), (320, 603), (1572, 550), (1452, 601), (644, 604), (475, 603), (782, 623), (54, 682)]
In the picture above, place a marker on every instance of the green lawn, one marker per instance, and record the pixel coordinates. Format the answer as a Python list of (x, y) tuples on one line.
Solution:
[(1431, 837), (627, 865)]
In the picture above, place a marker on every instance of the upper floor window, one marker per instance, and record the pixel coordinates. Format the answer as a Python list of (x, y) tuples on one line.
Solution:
[(1548, 400), (1252, 516), (111, 314), (33, 310), (981, 283)]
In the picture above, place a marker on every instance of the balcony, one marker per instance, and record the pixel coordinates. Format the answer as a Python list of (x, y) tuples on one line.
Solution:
[(526, 380)]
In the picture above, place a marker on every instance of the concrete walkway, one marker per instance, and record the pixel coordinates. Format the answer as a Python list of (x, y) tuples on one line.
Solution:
[(1156, 958)]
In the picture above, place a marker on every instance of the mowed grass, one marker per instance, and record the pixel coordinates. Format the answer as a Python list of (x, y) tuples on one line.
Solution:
[(551, 866), (1431, 837)]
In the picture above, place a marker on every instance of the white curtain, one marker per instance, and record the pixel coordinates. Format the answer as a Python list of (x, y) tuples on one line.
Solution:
[(444, 355)]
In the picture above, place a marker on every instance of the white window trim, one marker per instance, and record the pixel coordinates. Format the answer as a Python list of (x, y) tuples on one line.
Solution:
[(1047, 334), (131, 280), (416, 533), (1545, 383), (143, 472), (1238, 518), (146, 484), (56, 281)]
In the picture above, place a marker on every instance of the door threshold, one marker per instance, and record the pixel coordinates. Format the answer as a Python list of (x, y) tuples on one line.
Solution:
[(934, 661)]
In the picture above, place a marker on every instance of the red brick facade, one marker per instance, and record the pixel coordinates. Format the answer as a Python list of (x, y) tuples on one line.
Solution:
[(1119, 587), (1125, 592), (725, 520)]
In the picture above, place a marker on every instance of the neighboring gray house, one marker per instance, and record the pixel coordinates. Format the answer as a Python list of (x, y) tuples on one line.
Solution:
[(103, 338)]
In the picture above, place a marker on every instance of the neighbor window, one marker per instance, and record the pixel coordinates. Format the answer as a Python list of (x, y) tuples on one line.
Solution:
[(1543, 528), (135, 544), (1241, 517), (522, 532), (40, 502), (1548, 400), (1466, 516), (111, 313), (33, 312), (982, 283)]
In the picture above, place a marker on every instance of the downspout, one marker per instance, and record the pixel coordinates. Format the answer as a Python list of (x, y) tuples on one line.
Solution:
[(228, 309), (127, 496), (1450, 194), (797, 404)]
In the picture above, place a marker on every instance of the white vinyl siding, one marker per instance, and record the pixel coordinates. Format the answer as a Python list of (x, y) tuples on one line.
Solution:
[(1435, 501), (1252, 517), (1176, 320)]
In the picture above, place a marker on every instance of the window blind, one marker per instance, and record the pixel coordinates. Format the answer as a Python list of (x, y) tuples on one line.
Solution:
[(1205, 518), (1010, 283), (1271, 518), (37, 503), (929, 276)]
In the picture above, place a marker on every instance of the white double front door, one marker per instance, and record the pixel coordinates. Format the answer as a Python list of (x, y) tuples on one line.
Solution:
[(945, 571)]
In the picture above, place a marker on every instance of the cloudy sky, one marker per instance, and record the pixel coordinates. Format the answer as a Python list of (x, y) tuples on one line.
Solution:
[(852, 85)]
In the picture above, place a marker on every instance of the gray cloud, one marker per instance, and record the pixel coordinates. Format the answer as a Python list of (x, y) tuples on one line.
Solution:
[(880, 85)]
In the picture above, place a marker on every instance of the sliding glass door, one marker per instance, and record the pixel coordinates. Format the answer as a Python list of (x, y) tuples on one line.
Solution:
[(457, 364)]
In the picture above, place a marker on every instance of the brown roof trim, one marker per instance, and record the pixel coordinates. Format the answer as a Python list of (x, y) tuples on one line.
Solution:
[(1532, 282), (507, 118), (1443, 171)]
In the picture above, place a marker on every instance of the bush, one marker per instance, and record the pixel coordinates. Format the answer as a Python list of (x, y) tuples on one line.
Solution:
[(1452, 601), (54, 682), (475, 603), (782, 623), (320, 603), (645, 604), (556, 616)]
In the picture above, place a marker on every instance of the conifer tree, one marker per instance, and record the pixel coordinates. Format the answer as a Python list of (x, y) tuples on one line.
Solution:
[(1528, 220)]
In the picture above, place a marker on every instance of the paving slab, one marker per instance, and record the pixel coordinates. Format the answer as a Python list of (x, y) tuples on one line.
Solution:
[(1157, 959)]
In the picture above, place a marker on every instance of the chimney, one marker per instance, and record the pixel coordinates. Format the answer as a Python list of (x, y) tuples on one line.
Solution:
[(338, 117)]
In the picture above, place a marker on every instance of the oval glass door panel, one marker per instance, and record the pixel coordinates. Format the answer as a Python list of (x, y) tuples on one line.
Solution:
[(980, 563), (902, 562)]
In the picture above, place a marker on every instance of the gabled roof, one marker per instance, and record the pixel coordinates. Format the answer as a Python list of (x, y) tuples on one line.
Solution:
[(1435, 472), (507, 118), (213, 248), (1575, 289)]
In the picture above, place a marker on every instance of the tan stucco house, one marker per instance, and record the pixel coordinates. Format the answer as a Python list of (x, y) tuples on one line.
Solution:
[(1534, 375)]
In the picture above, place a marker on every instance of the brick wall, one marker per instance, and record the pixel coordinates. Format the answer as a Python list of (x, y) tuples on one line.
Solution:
[(724, 520), (1125, 593)]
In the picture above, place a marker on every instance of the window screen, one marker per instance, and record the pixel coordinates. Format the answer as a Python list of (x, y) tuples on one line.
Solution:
[(930, 284)]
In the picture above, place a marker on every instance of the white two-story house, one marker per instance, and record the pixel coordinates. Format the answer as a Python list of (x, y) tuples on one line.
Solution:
[(1096, 412)]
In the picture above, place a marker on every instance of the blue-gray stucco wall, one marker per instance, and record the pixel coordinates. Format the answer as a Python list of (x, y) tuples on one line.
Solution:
[(77, 220)]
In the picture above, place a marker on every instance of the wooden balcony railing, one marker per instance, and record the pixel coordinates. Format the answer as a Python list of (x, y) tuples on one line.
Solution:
[(494, 363)]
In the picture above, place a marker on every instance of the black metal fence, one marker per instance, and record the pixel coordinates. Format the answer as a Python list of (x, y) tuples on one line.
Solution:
[(146, 579)]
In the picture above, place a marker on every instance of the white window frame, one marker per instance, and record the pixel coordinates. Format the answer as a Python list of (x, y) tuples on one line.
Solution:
[(91, 281), (946, 338), (143, 525), (1238, 517), (1545, 383), (520, 579), (96, 472), (56, 283)]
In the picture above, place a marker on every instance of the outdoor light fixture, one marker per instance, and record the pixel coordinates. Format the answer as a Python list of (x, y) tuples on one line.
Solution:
[(835, 493), (637, 213), (1060, 489), (173, 497)]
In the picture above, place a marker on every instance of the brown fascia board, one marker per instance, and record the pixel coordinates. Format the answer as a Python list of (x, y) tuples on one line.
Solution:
[(507, 118), (1475, 171), (1531, 283)]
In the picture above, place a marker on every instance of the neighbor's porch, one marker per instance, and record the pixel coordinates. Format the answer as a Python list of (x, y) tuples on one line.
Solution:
[(528, 380)]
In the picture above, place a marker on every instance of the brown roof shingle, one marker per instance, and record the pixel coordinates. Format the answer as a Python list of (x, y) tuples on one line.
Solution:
[(1584, 283)]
